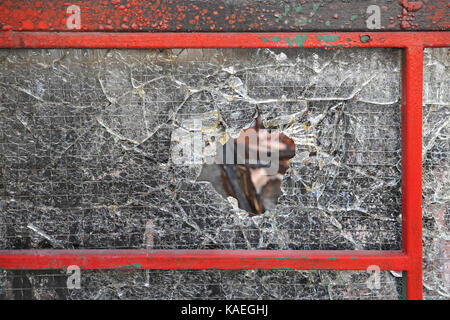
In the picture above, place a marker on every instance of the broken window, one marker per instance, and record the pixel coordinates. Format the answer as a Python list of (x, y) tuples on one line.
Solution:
[(88, 139)]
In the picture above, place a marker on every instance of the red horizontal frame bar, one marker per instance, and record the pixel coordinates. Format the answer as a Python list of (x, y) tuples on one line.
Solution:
[(333, 40), (204, 259), (409, 259)]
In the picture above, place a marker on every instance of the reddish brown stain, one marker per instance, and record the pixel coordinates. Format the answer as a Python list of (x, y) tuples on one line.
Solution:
[(411, 5)]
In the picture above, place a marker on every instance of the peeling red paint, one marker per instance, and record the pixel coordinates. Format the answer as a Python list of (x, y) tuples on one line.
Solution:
[(204, 259), (218, 15), (13, 39), (411, 5)]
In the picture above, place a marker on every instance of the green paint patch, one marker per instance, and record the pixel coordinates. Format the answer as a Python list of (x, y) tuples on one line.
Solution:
[(299, 40), (352, 18), (286, 10), (332, 258), (365, 38), (328, 38), (302, 21), (316, 7), (289, 42), (298, 8), (305, 257), (276, 39), (348, 39), (328, 23), (129, 266), (354, 258)]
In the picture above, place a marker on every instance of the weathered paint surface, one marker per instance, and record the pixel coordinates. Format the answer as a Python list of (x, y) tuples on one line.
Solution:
[(222, 40), (129, 266), (365, 38), (203, 259), (332, 258), (224, 15)]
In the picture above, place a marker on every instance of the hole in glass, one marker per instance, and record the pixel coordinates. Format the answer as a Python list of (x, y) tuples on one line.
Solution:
[(251, 167)]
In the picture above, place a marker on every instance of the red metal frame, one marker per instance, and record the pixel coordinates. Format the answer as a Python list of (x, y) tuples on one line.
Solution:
[(409, 259)]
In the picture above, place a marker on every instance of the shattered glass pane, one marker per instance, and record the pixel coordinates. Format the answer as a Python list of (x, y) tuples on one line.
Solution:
[(89, 139), (202, 284), (436, 174), (87, 145)]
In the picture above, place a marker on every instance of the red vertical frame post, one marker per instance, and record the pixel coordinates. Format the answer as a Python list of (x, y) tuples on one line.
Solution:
[(412, 76)]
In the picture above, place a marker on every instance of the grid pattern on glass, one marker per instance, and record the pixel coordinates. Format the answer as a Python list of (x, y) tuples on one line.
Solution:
[(202, 284), (87, 136), (436, 173)]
